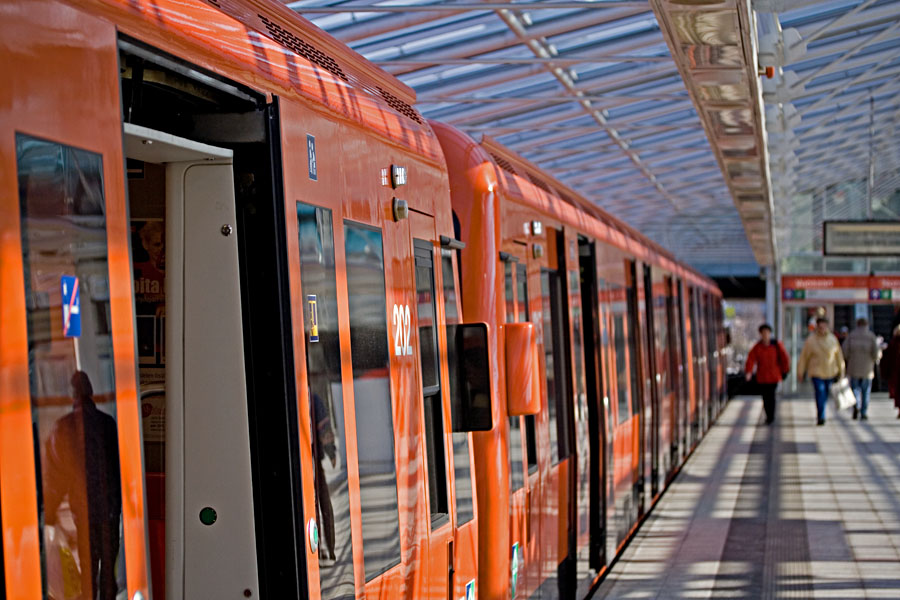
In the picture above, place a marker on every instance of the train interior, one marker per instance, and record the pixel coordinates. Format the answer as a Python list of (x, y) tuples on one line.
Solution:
[(199, 160)]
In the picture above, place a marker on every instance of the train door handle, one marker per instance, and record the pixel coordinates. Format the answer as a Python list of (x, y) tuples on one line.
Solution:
[(451, 569), (528, 513)]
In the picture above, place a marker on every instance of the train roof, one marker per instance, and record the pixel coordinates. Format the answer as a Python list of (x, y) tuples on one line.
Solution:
[(533, 185), (266, 46)]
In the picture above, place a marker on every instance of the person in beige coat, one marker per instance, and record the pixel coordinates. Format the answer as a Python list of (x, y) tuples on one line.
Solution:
[(823, 360), (862, 353)]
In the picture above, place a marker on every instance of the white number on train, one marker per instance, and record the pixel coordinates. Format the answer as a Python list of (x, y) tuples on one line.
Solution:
[(401, 323)]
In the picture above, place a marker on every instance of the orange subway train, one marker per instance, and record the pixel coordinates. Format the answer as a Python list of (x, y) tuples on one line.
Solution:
[(266, 332), (625, 374)]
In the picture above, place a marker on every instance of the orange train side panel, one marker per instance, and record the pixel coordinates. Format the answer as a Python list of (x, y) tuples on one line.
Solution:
[(358, 194), (296, 122), (564, 495), (18, 486), (49, 43)]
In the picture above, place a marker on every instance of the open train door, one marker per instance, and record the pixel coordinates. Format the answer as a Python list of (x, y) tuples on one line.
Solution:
[(67, 354), (208, 522)]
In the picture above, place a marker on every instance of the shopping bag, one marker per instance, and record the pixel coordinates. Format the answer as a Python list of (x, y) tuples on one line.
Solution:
[(63, 570), (841, 394)]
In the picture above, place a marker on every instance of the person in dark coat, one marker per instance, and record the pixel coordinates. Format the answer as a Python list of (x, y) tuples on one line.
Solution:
[(82, 466), (771, 362), (890, 368)]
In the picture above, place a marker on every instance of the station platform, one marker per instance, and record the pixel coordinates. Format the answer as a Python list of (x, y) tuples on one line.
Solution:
[(785, 511)]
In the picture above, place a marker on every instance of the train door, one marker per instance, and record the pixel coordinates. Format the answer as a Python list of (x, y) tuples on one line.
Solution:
[(524, 474), (557, 365), (712, 357), (675, 345), (191, 353), (218, 397), (698, 423), (640, 390), (579, 495), (524, 478), (684, 372), (436, 411), (609, 393), (592, 543), (652, 427), (465, 547), (386, 399), (666, 374), (73, 518), (623, 382)]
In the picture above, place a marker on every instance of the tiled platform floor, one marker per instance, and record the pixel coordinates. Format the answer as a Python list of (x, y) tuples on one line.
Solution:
[(787, 511)]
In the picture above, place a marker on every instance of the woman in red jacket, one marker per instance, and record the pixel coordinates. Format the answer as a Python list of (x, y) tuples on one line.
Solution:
[(772, 365)]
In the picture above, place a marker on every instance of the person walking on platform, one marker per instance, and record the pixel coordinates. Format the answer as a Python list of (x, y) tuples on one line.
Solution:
[(862, 353), (890, 368), (823, 360), (772, 364)]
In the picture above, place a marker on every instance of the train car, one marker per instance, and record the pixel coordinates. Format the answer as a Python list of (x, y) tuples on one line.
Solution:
[(623, 382), (232, 358)]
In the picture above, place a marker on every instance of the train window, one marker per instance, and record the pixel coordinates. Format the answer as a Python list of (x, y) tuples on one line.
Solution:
[(661, 322), (323, 369), (621, 366), (468, 365), (550, 364), (510, 292), (522, 293), (516, 475), (71, 367), (515, 304), (431, 390), (451, 312), (577, 345), (426, 314), (372, 393), (605, 296), (555, 364), (523, 310), (679, 321), (461, 462), (633, 334)]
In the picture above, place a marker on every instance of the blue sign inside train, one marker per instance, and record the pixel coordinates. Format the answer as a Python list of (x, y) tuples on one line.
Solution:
[(71, 306)]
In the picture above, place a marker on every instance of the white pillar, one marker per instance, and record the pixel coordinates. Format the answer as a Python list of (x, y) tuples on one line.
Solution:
[(772, 298)]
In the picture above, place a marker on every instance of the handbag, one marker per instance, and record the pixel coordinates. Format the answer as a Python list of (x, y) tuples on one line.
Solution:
[(841, 394)]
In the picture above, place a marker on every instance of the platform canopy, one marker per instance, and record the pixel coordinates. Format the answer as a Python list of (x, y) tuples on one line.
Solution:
[(587, 90), (832, 112), (656, 109)]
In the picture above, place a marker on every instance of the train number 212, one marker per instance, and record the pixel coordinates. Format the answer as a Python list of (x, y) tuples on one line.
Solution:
[(401, 331)]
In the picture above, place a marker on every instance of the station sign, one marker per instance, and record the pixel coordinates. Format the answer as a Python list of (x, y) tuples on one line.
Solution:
[(843, 288), (861, 238), (71, 306)]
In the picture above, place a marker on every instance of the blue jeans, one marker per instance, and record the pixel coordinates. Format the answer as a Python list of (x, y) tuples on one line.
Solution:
[(822, 387), (861, 389)]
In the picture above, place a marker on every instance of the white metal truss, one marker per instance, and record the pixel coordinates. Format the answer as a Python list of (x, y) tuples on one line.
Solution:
[(587, 90), (837, 104)]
